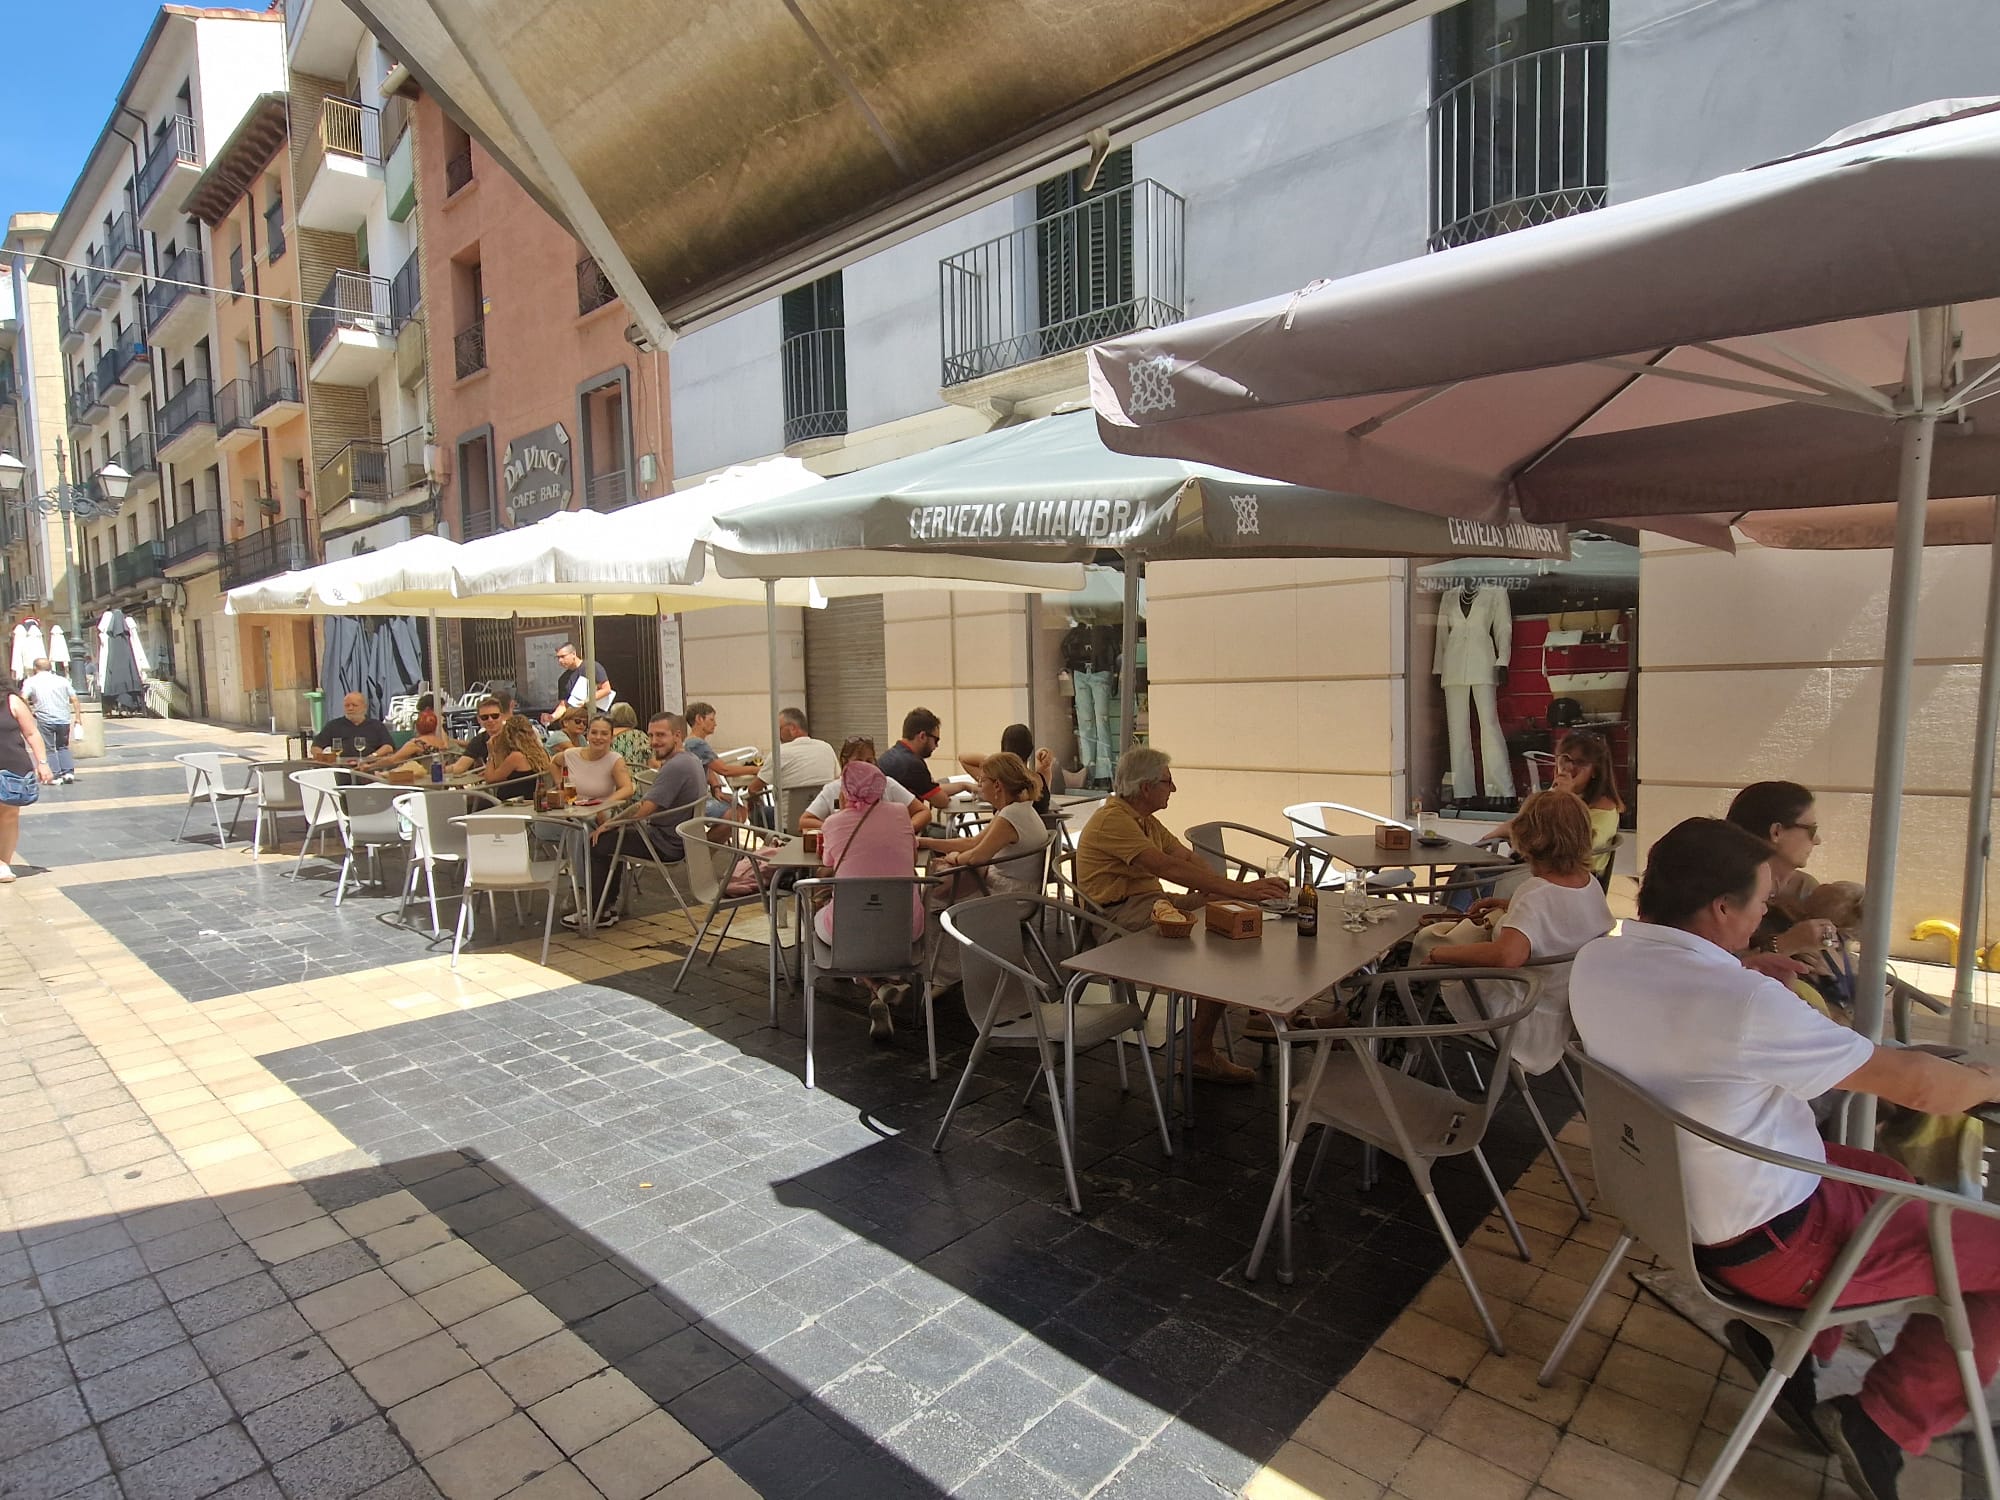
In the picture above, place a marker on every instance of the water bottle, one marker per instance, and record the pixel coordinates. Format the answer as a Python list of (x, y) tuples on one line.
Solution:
[(437, 770)]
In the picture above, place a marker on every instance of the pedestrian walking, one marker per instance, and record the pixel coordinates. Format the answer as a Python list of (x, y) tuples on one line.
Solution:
[(24, 770), (54, 704)]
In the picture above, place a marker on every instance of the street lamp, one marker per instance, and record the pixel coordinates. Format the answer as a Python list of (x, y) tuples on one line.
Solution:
[(69, 501)]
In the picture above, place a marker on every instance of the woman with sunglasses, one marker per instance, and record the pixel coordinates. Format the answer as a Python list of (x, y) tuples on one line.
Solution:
[(1785, 816)]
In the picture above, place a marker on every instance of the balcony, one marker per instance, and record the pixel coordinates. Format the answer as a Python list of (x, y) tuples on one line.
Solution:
[(350, 331), (478, 523), (233, 427), (1110, 265), (357, 474), (814, 369), (124, 246), (70, 302), (321, 38), (172, 168), (468, 349), (124, 364), (274, 382), (1520, 143), (274, 232), (343, 175), (139, 565), (100, 581), (105, 288), (140, 461), (277, 548), (13, 523), (180, 289), (193, 545), (86, 312), (611, 490), (85, 405), (189, 413), (406, 289), (593, 287)]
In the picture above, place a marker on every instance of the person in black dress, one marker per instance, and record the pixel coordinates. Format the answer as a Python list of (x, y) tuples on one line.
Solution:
[(22, 755)]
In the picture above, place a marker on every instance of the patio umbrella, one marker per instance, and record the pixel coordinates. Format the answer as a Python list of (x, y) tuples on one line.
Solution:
[(1806, 333)]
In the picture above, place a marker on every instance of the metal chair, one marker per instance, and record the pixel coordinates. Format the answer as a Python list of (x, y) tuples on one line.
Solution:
[(1316, 820), (1210, 841), (872, 939), (434, 839), (368, 823), (713, 847), (1028, 869), (1018, 998), (632, 848), (1637, 1143), (209, 780), (277, 794), (1351, 1089), (319, 795), (499, 856)]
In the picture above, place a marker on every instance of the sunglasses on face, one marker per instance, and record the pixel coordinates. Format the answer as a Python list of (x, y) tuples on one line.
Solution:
[(491, 718)]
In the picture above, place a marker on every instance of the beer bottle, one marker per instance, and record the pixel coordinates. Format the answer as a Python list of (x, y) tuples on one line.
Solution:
[(1308, 912)]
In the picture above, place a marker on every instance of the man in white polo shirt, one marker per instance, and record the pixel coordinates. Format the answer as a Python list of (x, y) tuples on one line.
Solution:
[(1666, 1003)]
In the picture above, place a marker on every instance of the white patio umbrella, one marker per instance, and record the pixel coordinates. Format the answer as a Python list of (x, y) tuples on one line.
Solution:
[(1807, 333)]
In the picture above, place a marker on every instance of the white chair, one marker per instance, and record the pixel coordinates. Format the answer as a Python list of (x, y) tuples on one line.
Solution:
[(1636, 1142), (216, 778), (1324, 819), (1018, 998), (872, 939), (369, 823), (499, 856), (709, 863), (277, 794), (319, 792), (435, 839)]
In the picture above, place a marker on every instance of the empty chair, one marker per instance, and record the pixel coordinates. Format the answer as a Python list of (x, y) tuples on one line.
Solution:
[(713, 847), (1636, 1142), (216, 778), (277, 794), (1018, 997), (499, 856), (1418, 1121), (1325, 819), (369, 823), (319, 793), (434, 839), (873, 938)]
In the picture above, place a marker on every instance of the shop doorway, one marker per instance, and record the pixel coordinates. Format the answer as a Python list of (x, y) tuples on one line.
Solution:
[(1077, 710), (847, 681)]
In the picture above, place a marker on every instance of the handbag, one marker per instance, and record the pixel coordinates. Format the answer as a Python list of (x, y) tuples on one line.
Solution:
[(17, 790)]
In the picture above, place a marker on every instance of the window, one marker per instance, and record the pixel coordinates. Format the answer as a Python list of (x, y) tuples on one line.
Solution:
[(478, 513), (814, 324), (274, 220), (457, 158), (1518, 110), (469, 343), (604, 418), (1084, 255)]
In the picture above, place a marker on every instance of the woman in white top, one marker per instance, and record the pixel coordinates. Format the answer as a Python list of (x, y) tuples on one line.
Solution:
[(1009, 843), (598, 772), (1551, 914)]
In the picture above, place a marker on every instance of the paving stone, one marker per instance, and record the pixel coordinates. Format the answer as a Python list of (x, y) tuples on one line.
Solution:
[(142, 1381), (225, 1304), (641, 1459), (124, 1342), (34, 1375), (165, 1423), (448, 1413), (55, 1468), (351, 1463), (1077, 1446), (278, 1374), (42, 1420), (251, 1338), (194, 1469), (413, 1368), (306, 1417), (495, 1462), (546, 1366), (590, 1410), (103, 1309), (94, 1275)]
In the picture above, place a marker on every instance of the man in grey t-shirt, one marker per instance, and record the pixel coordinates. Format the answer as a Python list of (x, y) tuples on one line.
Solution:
[(678, 780), (53, 700)]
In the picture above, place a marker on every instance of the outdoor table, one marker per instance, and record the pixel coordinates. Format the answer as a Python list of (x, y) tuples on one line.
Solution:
[(1275, 975), (1359, 851), (574, 824), (789, 855)]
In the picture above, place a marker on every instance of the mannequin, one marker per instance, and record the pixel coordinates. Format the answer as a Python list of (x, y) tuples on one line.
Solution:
[(1475, 636), (1090, 656), (27, 646), (58, 650)]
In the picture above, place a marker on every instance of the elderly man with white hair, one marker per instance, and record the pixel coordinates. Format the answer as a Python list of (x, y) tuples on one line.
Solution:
[(1122, 860)]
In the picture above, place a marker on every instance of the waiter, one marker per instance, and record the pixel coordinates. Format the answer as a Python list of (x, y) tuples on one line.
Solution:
[(574, 686)]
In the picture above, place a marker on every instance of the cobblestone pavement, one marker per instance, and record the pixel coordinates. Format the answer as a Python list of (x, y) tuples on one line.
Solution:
[(292, 1209)]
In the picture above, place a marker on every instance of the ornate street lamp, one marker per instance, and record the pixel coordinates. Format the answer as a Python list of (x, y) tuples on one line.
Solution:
[(70, 501)]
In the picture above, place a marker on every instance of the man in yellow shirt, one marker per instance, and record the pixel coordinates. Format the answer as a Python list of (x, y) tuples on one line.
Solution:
[(1126, 853)]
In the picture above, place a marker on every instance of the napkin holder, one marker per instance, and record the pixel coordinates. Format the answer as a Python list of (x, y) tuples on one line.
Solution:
[(1391, 836), (1234, 919)]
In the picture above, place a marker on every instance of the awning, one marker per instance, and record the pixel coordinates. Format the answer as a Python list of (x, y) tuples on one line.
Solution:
[(710, 153), (1050, 489)]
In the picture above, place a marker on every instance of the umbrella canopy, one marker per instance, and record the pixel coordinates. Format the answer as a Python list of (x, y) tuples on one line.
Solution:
[(1727, 347), (1050, 489), (413, 576)]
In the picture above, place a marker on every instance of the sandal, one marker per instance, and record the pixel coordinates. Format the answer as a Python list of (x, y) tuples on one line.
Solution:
[(1222, 1070)]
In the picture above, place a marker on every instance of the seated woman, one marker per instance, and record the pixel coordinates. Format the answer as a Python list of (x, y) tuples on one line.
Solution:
[(1015, 836), (1554, 912), (568, 731), (1784, 815), (628, 739), (598, 772), (822, 806), (1583, 766), (430, 739), (517, 764), (864, 837), (1019, 740)]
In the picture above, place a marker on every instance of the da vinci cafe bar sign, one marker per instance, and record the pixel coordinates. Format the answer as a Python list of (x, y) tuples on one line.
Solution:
[(536, 474)]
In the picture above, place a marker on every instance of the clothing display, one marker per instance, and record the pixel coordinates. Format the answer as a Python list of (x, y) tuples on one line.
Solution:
[(58, 652), (121, 663), (1475, 634), (28, 647), (1096, 702)]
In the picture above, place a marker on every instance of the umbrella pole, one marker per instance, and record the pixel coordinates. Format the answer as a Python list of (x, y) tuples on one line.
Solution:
[(437, 667), (1128, 656), (771, 665), (1979, 817), (589, 654), (1885, 822)]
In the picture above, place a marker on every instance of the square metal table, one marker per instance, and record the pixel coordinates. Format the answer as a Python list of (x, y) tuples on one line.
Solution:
[(1276, 975), (1359, 851)]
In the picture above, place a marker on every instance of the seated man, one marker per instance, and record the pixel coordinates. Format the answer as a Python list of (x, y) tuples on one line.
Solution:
[(1667, 1003), (353, 734), (907, 761), (677, 783), (1124, 855), (700, 725), (494, 710), (807, 764), (827, 802)]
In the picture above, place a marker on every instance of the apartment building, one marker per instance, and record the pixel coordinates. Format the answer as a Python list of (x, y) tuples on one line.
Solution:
[(1273, 683), (136, 322), (538, 364), (34, 568)]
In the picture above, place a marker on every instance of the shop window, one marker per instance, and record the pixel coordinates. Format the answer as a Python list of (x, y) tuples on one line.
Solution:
[(1079, 646)]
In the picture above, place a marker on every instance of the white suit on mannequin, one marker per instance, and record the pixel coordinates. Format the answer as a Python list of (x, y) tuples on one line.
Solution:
[(58, 648), (27, 647), (1474, 641)]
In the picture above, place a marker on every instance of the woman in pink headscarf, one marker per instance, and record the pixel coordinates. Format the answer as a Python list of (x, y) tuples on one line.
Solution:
[(865, 838)]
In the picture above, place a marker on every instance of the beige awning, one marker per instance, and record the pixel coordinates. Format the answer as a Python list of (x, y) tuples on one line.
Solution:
[(710, 153)]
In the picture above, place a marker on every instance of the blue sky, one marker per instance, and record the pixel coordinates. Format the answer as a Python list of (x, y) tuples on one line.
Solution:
[(66, 59)]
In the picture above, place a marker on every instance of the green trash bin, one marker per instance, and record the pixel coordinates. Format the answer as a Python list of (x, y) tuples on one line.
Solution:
[(316, 705)]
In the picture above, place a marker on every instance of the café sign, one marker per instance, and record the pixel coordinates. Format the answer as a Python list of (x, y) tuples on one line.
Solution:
[(536, 474)]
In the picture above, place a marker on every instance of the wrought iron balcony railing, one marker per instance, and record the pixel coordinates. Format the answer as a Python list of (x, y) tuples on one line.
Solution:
[(275, 378), (180, 275), (277, 548), (233, 407), (478, 523), (611, 490), (406, 289), (468, 349), (274, 230), (814, 369), (138, 456), (186, 409), (176, 144), (83, 400), (137, 564), (458, 171), (122, 240), (358, 471), (1521, 143), (1107, 266), (352, 300), (199, 533)]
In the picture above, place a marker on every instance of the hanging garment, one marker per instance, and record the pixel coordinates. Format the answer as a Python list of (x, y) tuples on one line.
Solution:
[(1461, 700), (120, 657), (27, 647), (1096, 695), (58, 648), (1474, 639)]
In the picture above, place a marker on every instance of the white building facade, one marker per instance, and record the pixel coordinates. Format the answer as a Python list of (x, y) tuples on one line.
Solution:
[(1277, 683)]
